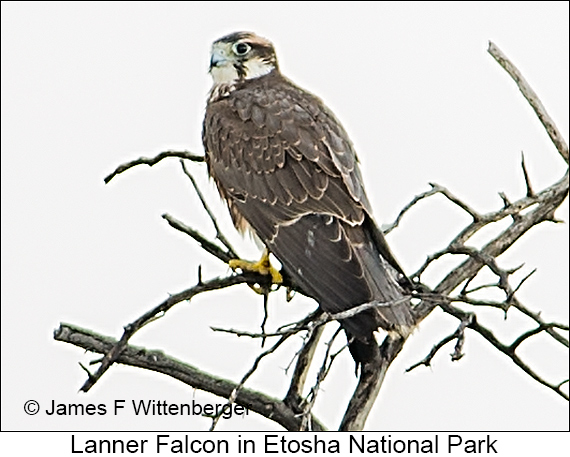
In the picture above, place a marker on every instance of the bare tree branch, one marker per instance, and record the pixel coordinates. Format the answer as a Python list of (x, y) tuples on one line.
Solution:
[(206, 244), (235, 392), (535, 331), (157, 361), (130, 329), (150, 161), (294, 396), (387, 228), (426, 361), (371, 378), (219, 235), (529, 191), (508, 350), (309, 402), (532, 99)]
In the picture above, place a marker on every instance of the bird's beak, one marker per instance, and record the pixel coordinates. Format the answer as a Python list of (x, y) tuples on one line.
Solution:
[(218, 58)]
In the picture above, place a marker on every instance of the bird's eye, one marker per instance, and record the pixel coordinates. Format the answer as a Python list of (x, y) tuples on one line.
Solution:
[(241, 48)]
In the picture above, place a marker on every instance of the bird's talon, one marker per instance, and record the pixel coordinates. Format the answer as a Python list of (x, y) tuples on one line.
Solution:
[(276, 277), (236, 264), (263, 267)]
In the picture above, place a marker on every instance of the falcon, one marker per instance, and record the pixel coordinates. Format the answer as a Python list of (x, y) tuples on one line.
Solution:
[(289, 173)]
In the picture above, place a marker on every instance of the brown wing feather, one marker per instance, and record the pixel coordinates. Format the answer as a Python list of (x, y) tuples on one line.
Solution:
[(287, 167)]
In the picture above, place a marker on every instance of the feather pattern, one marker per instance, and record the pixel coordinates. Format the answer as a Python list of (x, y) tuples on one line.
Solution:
[(288, 170)]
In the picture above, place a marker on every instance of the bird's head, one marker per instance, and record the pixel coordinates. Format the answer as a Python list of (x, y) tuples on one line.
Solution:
[(240, 56)]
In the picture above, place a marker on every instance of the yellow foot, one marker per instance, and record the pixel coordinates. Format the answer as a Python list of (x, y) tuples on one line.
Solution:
[(263, 266)]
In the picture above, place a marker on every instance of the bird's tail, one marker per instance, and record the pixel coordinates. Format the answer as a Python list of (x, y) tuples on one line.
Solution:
[(395, 317), (363, 349)]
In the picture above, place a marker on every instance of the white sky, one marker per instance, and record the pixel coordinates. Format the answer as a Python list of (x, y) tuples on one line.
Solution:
[(86, 87)]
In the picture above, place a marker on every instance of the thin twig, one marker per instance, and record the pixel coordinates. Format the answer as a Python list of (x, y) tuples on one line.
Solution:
[(219, 235), (328, 360), (387, 228), (452, 198), (305, 355), (505, 349), (306, 323), (426, 361), (265, 314), (458, 335), (150, 161), (515, 344), (237, 388), (206, 244), (529, 191)]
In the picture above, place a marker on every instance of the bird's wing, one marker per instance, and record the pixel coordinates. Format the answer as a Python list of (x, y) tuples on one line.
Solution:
[(286, 166)]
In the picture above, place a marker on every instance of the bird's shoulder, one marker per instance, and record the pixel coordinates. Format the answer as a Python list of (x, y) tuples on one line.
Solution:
[(272, 94)]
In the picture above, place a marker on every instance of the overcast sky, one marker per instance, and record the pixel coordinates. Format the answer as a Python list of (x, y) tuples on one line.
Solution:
[(88, 86)]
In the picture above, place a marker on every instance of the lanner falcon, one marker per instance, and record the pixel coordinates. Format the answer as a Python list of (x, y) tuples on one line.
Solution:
[(288, 171)]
